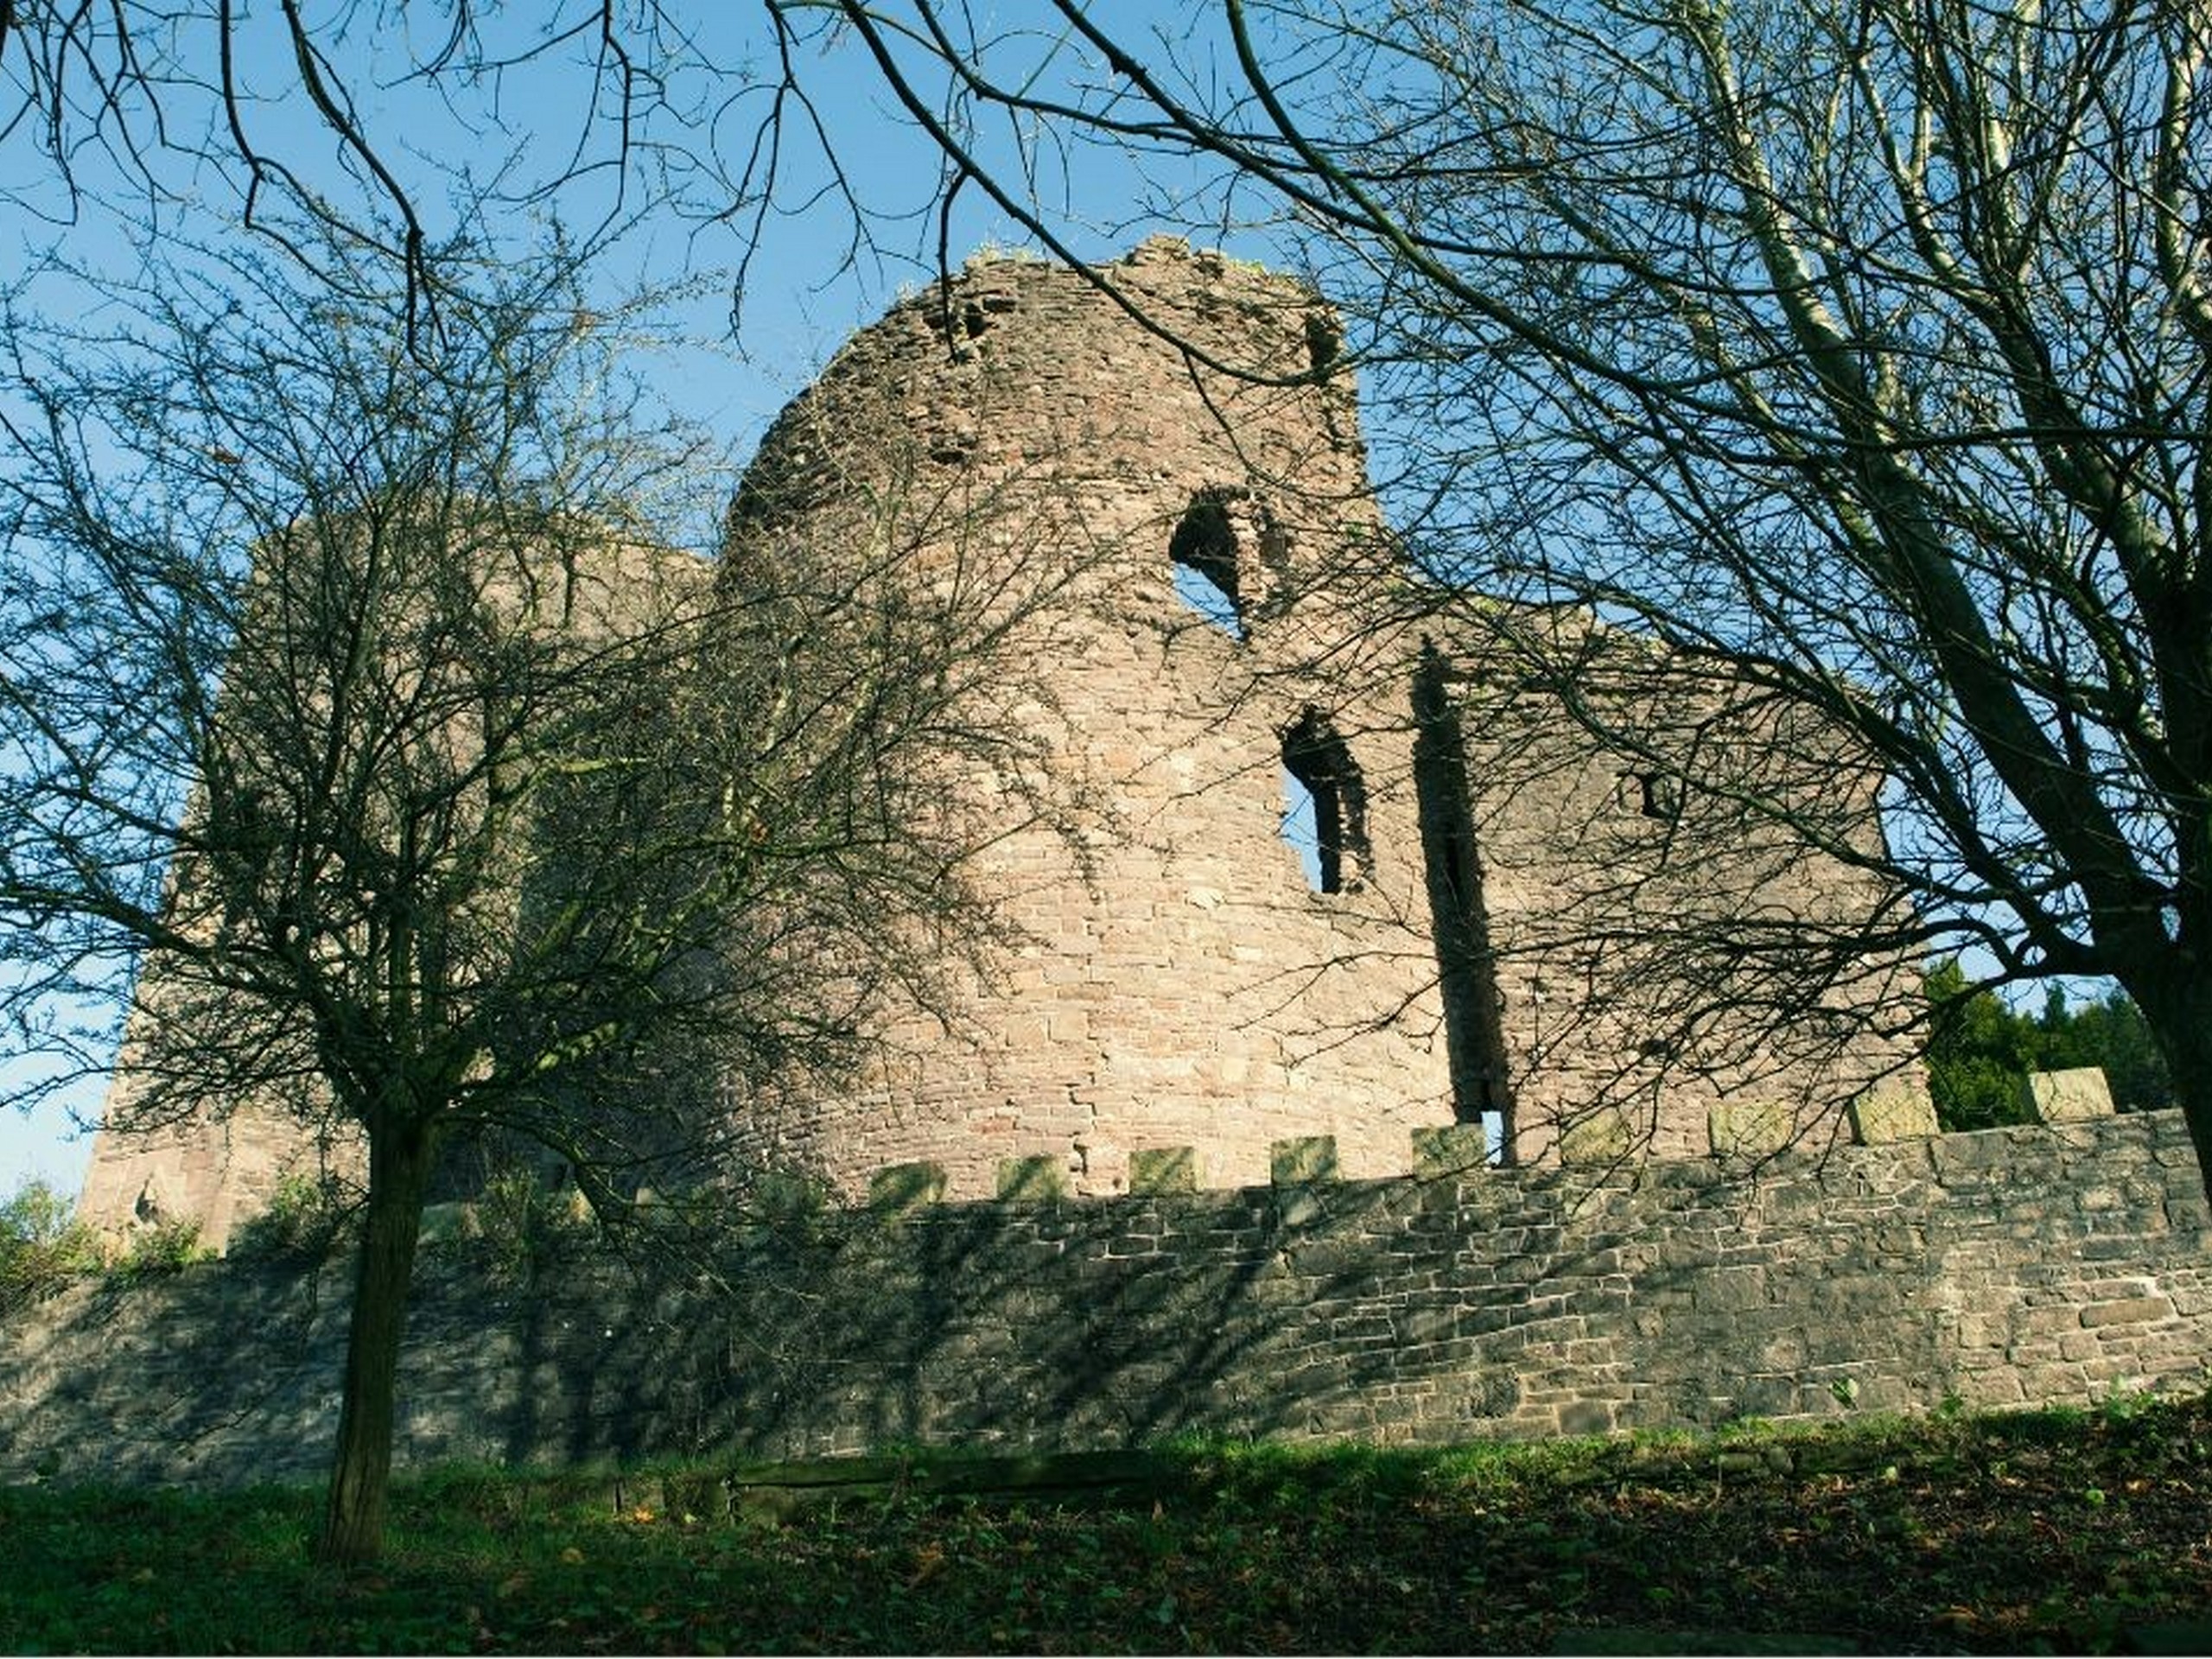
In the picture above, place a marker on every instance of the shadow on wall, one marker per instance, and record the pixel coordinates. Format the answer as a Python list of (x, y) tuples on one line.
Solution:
[(2043, 1264)]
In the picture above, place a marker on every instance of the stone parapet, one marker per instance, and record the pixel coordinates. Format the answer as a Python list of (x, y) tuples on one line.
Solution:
[(2040, 1264)]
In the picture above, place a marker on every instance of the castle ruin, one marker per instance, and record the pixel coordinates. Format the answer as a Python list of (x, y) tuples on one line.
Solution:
[(1235, 632)]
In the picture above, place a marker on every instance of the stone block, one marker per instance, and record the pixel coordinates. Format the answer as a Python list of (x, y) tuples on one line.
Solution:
[(1734, 1291), (1748, 1128), (1899, 1109), (1164, 1169), (2074, 1096), (1450, 1149), (1585, 1417), (1600, 1137), (900, 1187), (1299, 1206), (1038, 1179), (1302, 1159), (2130, 1310)]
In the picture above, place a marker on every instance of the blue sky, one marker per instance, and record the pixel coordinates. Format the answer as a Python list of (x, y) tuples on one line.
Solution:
[(804, 297), (805, 294)]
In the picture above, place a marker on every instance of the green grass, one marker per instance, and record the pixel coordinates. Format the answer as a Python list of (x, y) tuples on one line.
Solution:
[(2064, 1531)]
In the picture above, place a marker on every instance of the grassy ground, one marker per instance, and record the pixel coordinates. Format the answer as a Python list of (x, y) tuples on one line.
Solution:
[(2063, 1531)]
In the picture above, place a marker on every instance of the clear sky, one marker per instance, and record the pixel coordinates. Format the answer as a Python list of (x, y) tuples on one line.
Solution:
[(803, 296), (810, 286)]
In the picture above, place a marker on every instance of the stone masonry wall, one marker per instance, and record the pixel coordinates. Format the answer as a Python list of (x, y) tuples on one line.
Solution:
[(1181, 984), (165, 1151), (2056, 1264), (1178, 982), (1501, 931)]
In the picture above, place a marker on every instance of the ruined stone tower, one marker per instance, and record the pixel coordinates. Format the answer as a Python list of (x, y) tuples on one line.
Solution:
[(1181, 982), (1169, 446), (1175, 429)]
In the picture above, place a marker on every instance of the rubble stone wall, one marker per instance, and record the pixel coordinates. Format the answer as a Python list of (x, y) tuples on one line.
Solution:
[(2057, 1264), (1181, 982)]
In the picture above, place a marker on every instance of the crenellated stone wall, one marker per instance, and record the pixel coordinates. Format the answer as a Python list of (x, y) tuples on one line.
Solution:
[(1516, 923), (2060, 1262)]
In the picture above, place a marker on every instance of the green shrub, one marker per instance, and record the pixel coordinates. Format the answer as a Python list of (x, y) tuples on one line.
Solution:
[(166, 1246), (304, 1219), (43, 1246)]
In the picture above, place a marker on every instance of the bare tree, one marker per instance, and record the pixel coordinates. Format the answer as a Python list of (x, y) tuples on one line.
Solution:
[(359, 694), (1863, 356), (309, 123), (1860, 358)]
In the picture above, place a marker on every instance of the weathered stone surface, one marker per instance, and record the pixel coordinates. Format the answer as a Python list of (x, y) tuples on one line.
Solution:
[(1163, 1169), (1601, 1137), (1450, 1149), (1033, 1180), (1750, 1128), (1893, 1110), (2129, 1311), (1541, 1300), (1302, 1159), (2073, 1095), (906, 1186)]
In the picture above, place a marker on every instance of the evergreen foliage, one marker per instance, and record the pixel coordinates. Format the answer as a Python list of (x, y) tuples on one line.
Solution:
[(1978, 1050)]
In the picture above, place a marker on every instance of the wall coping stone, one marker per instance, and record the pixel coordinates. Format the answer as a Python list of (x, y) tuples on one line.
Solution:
[(1163, 1169), (1302, 1159), (1750, 1128), (1894, 1111), (1450, 1149), (901, 1187), (1041, 1179), (2078, 1094), (1601, 1137)]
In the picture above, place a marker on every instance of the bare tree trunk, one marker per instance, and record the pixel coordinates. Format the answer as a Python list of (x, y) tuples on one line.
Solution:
[(399, 1169), (2177, 1006)]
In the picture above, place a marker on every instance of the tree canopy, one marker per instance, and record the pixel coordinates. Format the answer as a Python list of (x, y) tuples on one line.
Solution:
[(1980, 1050)]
